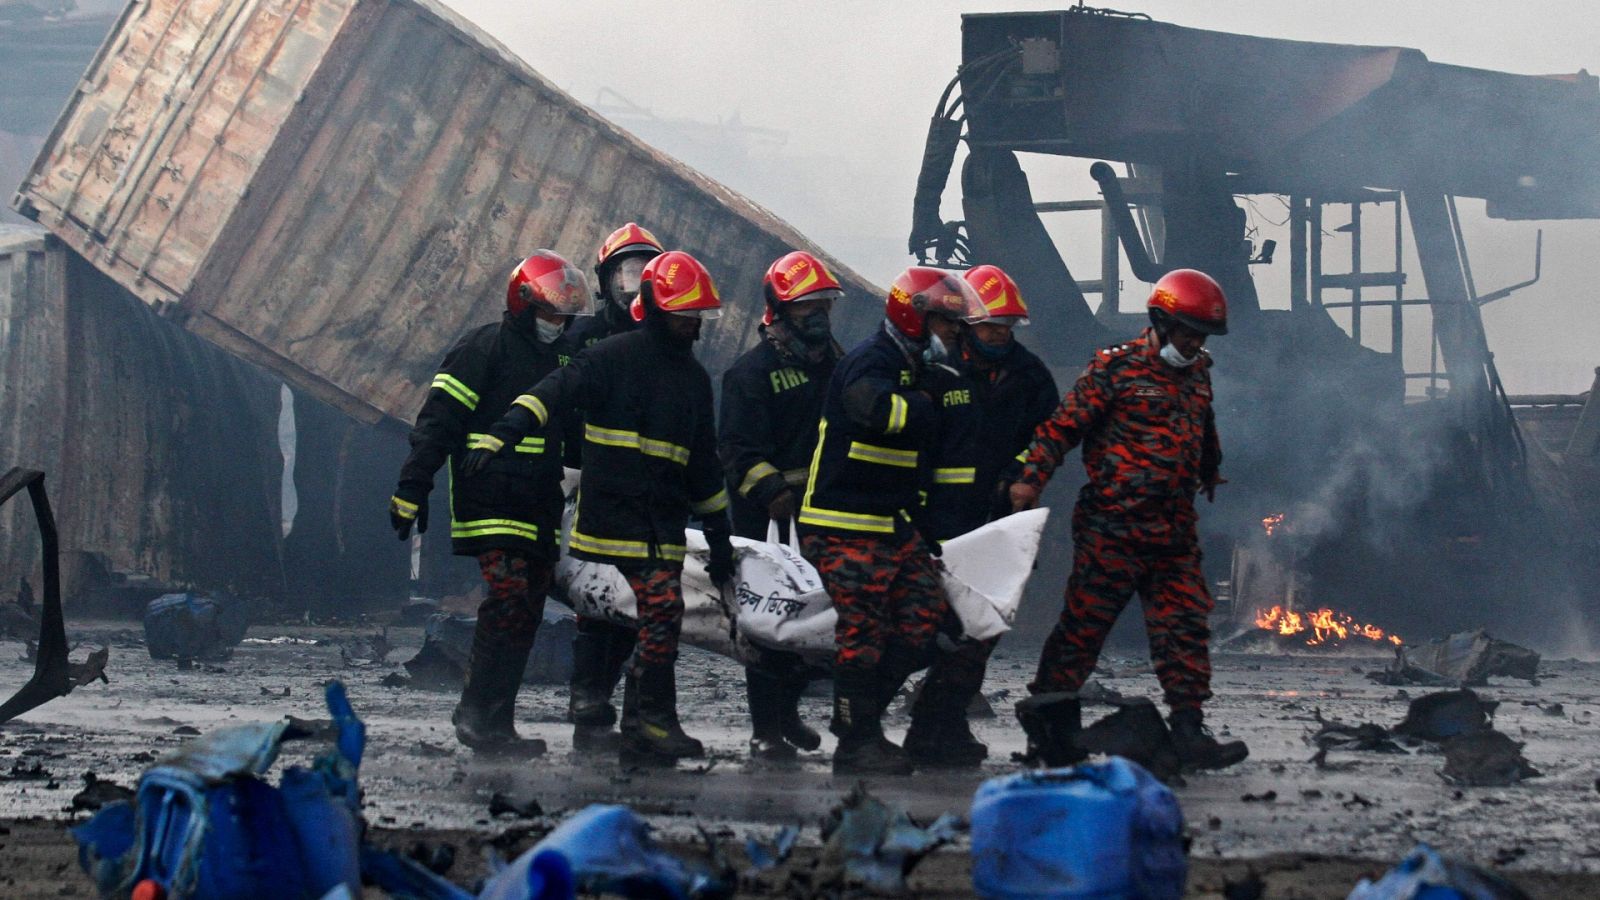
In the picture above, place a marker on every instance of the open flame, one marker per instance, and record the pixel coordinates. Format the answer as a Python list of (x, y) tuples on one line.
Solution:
[(1271, 522), (1325, 626)]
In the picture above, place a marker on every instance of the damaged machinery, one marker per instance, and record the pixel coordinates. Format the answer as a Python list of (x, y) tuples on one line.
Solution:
[(1369, 411)]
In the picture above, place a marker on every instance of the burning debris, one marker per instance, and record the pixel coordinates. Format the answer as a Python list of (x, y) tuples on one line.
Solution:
[(1326, 627)]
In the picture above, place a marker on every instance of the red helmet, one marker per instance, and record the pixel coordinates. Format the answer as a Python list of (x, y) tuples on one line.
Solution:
[(548, 280), (1191, 298), (629, 240), (675, 282), (636, 309), (921, 290), (795, 276), (1002, 301)]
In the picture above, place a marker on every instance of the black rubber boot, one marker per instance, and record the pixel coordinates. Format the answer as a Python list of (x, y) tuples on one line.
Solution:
[(599, 652), (939, 735), (764, 691), (794, 728), (651, 734), (483, 719), (1197, 749), (1052, 722), (863, 749)]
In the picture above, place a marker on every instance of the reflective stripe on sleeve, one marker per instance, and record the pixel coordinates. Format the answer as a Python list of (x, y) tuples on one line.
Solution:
[(534, 405), (885, 456), (899, 411), (715, 503), (456, 388), (757, 472), (955, 476)]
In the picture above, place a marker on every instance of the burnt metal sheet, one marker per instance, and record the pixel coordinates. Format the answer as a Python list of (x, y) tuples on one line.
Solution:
[(1286, 116), (337, 190)]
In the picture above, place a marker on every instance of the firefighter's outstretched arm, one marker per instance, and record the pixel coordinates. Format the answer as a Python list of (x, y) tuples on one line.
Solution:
[(1083, 406), (554, 395)]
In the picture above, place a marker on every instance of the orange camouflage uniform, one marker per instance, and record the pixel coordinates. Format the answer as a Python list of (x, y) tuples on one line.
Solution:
[(1149, 445)]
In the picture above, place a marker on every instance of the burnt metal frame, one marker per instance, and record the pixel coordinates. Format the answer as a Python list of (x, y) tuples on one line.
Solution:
[(52, 674)]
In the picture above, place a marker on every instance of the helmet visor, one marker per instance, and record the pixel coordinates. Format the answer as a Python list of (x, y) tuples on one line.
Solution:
[(564, 290), (952, 297)]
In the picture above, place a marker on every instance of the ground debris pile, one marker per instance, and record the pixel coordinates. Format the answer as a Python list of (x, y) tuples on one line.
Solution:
[(1466, 659), (1460, 723), (441, 663), (871, 845)]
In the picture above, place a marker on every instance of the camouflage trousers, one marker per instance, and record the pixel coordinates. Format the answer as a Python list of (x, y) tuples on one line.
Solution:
[(514, 606), (1172, 591), (659, 594), (885, 590)]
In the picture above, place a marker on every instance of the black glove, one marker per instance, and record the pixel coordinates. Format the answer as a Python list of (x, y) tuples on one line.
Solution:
[(479, 453), (720, 567), (925, 531), (408, 506)]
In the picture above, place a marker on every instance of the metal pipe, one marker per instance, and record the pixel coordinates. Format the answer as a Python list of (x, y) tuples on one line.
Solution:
[(1144, 268)]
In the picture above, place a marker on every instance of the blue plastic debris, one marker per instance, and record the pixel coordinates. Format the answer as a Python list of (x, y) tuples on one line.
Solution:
[(188, 626), (764, 857), (204, 824), (872, 845), (606, 850), (1425, 875), (1100, 830)]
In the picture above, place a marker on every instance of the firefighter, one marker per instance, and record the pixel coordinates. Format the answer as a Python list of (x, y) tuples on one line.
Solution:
[(1142, 411), (617, 267), (509, 514), (600, 649), (771, 403), (650, 463), (1000, 393), (864, 478)]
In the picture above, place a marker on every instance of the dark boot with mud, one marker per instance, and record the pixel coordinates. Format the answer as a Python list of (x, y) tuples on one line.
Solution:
[(793, 728), (651, 735), (1197, 749), (589, 698), (1052, 722), (764, 692), (939, 735), (484, 718), (857, 720)]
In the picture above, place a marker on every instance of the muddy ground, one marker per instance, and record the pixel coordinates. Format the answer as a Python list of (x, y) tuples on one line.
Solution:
[(1322, 830)]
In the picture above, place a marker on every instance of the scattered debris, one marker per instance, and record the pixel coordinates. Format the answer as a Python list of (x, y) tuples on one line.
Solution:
[(1439, 717), (21, 771), (1263, 797), (1358, 800), (371, 650), (769, 856), (441, 663), (1093, 691), (1424, 873), (433, 751), (186, 731), (188, 626), (1485, 759), (1335, 735), (98, 792), (1107, 829), (500, 805), (600, 849), (1136, 731), (1467, 659), (395, 680), (269, 692), (437, 858), (1251, 887), (871, 845)]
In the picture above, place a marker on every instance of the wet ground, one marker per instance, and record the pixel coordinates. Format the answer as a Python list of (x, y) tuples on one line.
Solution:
[(1320, 827)]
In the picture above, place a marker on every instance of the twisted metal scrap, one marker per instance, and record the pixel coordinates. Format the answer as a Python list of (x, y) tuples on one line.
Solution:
[(52, 673)]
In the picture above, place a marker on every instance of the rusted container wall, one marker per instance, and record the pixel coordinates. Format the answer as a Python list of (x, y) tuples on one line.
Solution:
[(336, 190), (160, 451)]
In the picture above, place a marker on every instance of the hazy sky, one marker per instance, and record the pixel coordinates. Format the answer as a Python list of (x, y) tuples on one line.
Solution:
[(847, 88)]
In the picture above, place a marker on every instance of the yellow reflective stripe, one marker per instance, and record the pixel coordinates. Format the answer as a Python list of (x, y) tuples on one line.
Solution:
[(955, 476), (486, 442), (833, 518), (886, 456), (1023, 456), (899, 411), (403, 506), (456, 388), (628, 549), (526, 445), (715, 503), (617, 437), (534, 405), (795, 477), (484, 527), (753, 477)]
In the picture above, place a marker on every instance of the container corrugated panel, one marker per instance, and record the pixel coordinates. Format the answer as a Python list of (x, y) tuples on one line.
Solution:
[(338, 189)]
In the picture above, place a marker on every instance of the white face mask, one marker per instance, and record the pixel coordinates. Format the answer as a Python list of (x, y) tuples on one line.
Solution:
[(549, 331), (1172, 357), (936, 352)]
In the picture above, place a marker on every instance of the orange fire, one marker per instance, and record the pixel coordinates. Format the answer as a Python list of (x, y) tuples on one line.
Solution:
[(1325, 625), (1271, 522)]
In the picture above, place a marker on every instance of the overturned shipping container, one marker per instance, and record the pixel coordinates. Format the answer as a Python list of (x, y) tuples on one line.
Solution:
[(337, 190)]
